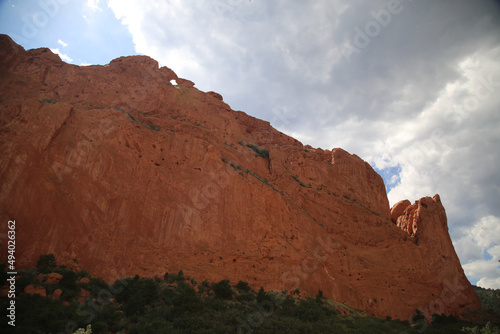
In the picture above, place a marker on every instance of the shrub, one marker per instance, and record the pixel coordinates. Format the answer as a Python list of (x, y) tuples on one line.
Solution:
[(418, 315), (171, 278), (262, 152), (46, 263), (319, 297), (487, 329), (26, 277), (309, 310), (246, 297), (187, 301), (48, 101), (204, 286), (262, 295), (95, 285), (223, 290), (68, 285), (243, 286)]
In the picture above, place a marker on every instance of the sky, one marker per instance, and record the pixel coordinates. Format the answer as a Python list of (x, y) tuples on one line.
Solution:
[(410, 86)]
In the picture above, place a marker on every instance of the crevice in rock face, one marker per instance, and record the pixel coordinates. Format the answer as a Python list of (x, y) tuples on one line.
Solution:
[(59, 129)]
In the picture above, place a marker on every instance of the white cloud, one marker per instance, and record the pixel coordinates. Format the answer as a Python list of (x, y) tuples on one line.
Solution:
[(478, 243), (486, 232), (422, 96), (490, 283), (63, 56), (62, 43), (93, 5)]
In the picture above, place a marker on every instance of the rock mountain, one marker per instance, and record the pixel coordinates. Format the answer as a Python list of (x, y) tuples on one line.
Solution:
[(119, 170)]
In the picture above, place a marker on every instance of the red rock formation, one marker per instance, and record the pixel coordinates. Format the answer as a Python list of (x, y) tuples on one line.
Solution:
[(398, 209), (35, 290), (426, 223), (57, 294), (128, 174), (53, 278)]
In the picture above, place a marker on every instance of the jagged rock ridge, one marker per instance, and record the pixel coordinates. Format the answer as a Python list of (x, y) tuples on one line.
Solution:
[(116, 170)]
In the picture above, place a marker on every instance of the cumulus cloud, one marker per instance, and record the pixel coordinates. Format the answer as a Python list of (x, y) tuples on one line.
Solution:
[(63, 56), (417, 97), (93, 5), (479, 247), (62, 43)]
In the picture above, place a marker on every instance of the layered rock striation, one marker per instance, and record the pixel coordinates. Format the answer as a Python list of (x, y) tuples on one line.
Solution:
[(119, 171)]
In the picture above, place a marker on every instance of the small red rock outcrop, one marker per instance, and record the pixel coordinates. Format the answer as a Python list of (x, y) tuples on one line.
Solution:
[(53, 278), (57, 293), (120, 170), (35, 289), (398, 209)]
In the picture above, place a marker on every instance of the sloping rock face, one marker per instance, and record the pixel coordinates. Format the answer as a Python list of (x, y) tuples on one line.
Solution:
[(117, 168)]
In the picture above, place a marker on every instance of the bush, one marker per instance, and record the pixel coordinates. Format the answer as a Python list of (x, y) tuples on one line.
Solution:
[(137, 294), (490, 298), (27, 277), (187, 301), (319, 297), (262, 295), (46, 263), (262, 152), (487, 329), (67, 284), (48, 101), (204, 286), (95, 286), (243, 286), (443, 319), (246, 297), (223, 290), (309, 310), (180, 276)]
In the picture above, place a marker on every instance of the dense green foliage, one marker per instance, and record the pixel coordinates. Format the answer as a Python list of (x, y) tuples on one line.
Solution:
[(174, 303), (487, 329), (490, 298), (46, 263)]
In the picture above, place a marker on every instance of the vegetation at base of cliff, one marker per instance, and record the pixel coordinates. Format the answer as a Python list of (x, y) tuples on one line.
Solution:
[(490, 298), (176, 303)]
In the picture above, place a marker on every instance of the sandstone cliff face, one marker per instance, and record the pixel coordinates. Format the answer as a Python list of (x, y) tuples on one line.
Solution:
[(117, 168)]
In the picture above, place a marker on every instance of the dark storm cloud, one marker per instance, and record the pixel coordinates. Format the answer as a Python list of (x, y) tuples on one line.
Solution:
[(410, 86)]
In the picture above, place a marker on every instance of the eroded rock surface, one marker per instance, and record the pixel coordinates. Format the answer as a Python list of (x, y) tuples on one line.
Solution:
[(116, 167)]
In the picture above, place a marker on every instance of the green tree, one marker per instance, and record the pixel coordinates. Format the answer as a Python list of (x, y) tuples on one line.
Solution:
[(243, 286), (187, 301), (262, 295), (223, 290), (487, 329), (46, 263)]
